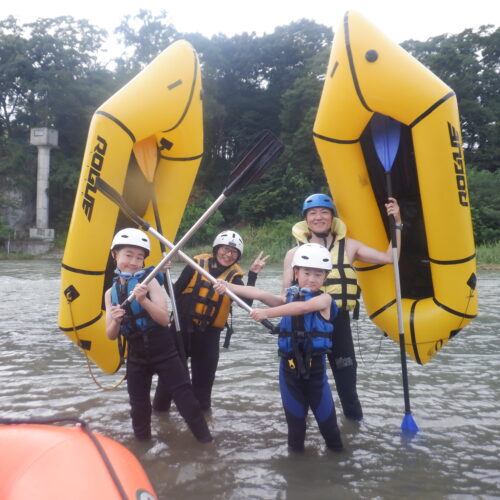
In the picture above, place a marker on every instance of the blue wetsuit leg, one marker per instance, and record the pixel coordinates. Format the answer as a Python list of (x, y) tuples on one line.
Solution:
[(319, 398)]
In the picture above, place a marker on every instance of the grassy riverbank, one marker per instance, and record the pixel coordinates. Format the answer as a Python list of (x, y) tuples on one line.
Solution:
[(274, 239), (488, 256)]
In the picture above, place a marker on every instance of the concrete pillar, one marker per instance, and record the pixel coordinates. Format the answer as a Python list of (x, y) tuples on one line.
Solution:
[(44, 139), (42, 186)]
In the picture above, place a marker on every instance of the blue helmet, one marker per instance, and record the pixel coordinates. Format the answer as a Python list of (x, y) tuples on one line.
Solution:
[(317, 200)]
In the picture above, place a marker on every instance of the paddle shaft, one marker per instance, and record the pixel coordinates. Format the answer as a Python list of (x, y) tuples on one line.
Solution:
[(210, 210), (200, 269), (179, 341), (175, 249), (168, 277), (399, 301), (170, 287)]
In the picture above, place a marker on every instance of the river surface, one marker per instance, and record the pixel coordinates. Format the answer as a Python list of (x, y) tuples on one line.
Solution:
[(455, 401)]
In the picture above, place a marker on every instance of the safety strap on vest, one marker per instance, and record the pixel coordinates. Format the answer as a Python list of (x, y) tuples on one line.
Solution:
[(129, 326), (343, 281), (302, 345), (212, 305)]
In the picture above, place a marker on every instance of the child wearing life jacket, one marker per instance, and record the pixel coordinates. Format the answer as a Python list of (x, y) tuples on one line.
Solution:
[(151, 349), (203, 313), (305, 337)]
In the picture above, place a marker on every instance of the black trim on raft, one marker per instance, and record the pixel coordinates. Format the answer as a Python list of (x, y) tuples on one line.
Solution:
[(187, 158), (83, 325), (337, 141), (452, 311), (81, 271), (368, 268), (335, 66), (118, 122), (428, 111), (382, 309), (174, 84), (351, 63), (452, 262), (190, 96), (412, 332)]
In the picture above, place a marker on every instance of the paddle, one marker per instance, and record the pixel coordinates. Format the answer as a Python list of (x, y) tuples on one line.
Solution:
[(252, 165), (386, 134), (270, 149), (116, 197), (146, 154)]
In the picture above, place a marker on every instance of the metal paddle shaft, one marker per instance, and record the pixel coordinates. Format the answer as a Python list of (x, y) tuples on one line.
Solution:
[(399, 303), (408, 424), (172, 299), (202, 271), (254, 161), (386, 134)]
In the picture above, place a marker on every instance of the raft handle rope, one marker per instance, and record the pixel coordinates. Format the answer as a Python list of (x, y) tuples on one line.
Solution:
[(359, 346), (471, 283), (89, 366), (86, 429)]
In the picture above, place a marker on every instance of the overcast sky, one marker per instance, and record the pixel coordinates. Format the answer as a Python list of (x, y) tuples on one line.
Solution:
[(399, 19)]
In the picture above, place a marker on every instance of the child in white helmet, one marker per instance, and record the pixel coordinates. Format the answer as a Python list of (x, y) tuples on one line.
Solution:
[(203, 313), (143, 324), (305, 337)]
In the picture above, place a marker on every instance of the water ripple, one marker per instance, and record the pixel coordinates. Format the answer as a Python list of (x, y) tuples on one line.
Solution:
[(454, 400)]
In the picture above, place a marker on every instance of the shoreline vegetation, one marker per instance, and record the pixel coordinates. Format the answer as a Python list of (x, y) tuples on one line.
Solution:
[(274, 239)]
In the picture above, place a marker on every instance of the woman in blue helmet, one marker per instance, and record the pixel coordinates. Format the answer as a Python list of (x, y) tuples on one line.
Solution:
[(320, 225)]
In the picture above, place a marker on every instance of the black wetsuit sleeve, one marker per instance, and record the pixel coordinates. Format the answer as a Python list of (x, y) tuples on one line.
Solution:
[(252, 278), (183, 280)]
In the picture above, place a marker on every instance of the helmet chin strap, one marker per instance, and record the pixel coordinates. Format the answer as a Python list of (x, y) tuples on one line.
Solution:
[(324, 236)]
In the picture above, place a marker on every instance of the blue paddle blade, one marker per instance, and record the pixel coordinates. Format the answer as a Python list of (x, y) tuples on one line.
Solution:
[(408, 425), (385, 134)]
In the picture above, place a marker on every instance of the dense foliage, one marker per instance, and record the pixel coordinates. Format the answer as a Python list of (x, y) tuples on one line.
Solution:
[(51, 75)]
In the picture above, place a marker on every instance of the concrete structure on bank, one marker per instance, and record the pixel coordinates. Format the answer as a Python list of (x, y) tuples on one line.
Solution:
[(41, 237)]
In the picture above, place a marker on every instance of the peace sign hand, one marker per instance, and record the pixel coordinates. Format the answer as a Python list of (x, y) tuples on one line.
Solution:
[(259, 263)]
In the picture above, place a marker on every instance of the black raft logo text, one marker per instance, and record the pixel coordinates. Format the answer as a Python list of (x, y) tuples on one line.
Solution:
[(459, 165), (95, 168)]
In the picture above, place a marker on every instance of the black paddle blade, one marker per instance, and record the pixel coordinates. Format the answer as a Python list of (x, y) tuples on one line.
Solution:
[(254, 161), (112, 194)]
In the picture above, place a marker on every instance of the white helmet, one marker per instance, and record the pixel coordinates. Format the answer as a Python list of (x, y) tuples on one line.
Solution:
[(312, 255), (230, 238), (133, 237)]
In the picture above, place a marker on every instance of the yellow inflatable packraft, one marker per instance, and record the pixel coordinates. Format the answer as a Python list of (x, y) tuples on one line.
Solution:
[(367, 74), (146, 141)]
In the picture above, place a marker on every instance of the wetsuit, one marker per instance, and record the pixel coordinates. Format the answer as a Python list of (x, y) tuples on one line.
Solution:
[(201, 335), (342, 285), (303, 344), (151, 350)]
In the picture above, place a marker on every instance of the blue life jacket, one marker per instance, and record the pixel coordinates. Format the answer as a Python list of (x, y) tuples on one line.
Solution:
[(136, 318), (301, 337)]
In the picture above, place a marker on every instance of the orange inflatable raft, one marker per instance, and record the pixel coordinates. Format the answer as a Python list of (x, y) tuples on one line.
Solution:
[(48, 462)]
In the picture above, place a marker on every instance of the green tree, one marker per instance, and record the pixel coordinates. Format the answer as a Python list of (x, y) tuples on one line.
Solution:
[(484, 187), (143, 37), (469, 63), (50, 77), (17, 72)]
